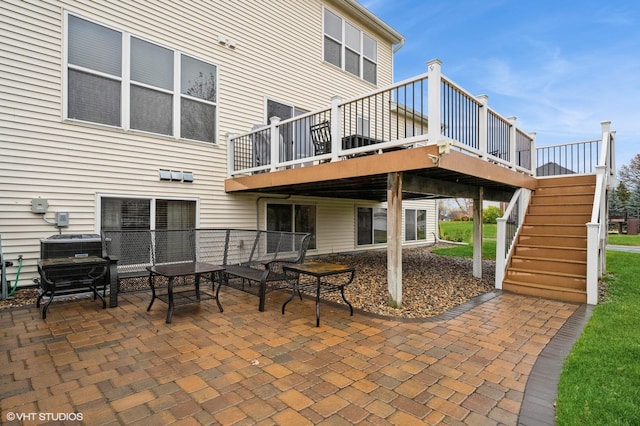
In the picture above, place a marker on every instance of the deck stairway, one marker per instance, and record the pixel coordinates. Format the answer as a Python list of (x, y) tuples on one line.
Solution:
[(550, 254)]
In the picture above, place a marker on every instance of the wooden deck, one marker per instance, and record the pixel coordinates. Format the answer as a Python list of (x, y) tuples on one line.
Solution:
[(426, 174)]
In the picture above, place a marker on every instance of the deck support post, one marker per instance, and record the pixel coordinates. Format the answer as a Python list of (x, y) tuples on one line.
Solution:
[(477, 233), (394, 238)]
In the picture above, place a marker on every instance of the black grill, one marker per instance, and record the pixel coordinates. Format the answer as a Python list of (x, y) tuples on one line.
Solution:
[(72, 264)]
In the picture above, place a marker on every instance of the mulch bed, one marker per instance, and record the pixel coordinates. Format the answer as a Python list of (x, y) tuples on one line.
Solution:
[(431, 284)]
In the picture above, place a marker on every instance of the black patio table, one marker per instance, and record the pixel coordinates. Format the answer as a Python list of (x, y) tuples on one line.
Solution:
[(320, 271), (174, 270)]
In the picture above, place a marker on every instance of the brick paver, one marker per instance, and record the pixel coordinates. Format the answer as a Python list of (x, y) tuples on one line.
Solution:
[(125, 365)]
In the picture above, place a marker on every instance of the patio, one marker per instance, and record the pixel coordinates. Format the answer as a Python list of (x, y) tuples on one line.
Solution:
[(125, 365)]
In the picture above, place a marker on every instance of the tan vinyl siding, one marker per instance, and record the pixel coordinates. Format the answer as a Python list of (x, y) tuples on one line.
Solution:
[(71, 163)]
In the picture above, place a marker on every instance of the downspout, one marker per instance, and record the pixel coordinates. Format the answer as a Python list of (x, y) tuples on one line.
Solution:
[(286, 197)]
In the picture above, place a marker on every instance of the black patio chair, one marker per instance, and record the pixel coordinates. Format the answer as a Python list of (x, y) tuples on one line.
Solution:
[(321, 137)]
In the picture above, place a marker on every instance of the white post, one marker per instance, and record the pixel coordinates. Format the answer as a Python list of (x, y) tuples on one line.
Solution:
[(275, 142), (592, 263), (477, 234), (483, 124), (230, 154), (534, 156), (512, 141), (434, 93), (601, 175), (523, 205), (501, 252), (336, 140)]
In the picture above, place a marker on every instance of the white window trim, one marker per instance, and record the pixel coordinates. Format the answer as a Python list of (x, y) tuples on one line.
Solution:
[(125, 81), (373, 237), (426, 224)]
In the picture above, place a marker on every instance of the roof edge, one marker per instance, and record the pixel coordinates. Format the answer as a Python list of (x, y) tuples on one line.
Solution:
[(364, 13)]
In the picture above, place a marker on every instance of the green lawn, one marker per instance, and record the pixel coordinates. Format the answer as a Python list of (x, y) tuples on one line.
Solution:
[(624, 240), (488, 250), (600, 379), (463, 232)]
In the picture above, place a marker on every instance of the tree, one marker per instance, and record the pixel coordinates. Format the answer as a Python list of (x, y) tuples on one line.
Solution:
[(623, 195), (634, 202), (630, 174), (615, 204)]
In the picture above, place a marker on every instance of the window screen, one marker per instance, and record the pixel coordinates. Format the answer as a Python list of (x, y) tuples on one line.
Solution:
[(198, 79), (332, 25), (332, 52), (151, 110), (93, 98), (94, 47), (198, 120), (95, 83), (151, 64)]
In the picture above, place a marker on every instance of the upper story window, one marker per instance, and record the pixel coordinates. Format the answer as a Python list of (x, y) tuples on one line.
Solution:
[(347, 47), (117, 79)]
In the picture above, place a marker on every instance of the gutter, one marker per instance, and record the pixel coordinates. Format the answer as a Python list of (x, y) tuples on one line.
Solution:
[(399, 45)]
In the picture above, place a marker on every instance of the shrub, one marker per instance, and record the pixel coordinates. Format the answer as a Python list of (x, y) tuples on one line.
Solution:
[(491, 214)]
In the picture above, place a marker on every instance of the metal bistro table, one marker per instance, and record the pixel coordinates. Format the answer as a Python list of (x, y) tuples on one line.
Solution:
[(320, 271), (172, 271)]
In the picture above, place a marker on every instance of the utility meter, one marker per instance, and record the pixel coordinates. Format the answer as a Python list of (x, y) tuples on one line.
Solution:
[(62, 219)]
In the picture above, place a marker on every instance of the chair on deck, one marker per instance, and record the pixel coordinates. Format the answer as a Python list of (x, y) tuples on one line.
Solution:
[(321, 137)]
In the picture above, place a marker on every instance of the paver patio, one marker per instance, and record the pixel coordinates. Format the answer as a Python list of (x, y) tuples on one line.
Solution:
[(126, 365)]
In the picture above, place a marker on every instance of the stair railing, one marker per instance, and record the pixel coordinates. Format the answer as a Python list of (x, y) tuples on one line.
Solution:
[(597, 227), (509, 226)]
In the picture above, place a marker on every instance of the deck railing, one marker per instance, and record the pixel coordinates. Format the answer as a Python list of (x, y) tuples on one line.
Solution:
[(597, 228), (509, 226), (390, 118), (570, 158)]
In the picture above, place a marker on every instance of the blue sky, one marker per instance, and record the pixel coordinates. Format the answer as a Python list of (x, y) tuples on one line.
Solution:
[(561, 67)]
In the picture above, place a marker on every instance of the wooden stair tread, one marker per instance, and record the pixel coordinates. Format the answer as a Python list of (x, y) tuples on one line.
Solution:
[(568, 225), (550, 259), (551, 247), (582, 237), (559, 214), (555, 274), (543, 286)]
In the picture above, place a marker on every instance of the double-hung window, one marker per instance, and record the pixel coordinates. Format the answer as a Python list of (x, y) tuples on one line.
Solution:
[(349, 48), (117, 79)]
